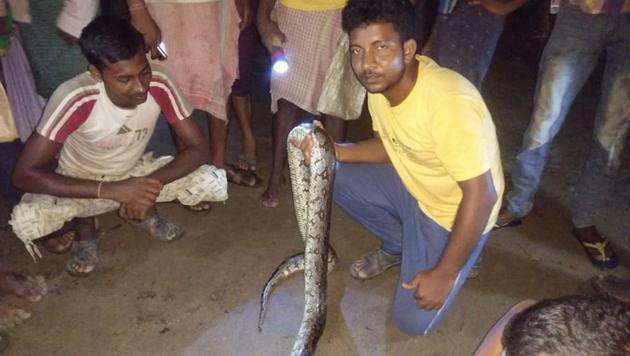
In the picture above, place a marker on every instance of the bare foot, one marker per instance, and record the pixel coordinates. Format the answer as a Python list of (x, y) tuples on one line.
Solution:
[(11, 316), (25, 287), (270, 199)]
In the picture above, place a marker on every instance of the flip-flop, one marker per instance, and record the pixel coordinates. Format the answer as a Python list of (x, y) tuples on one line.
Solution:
[(244, 178), (83, 258), (199, 212), (159, 228), (373, 264), (512, 221), (58, 247), (596, 251)]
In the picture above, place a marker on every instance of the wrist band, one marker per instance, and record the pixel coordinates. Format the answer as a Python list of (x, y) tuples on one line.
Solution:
[(98, 190)]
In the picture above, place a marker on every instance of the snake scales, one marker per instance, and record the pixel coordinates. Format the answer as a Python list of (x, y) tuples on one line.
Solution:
[(312, 188)]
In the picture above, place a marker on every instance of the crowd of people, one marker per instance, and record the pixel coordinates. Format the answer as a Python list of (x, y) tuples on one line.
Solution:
[(428, 184)]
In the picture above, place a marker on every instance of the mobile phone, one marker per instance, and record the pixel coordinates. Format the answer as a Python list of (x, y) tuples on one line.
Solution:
[(161, 52)]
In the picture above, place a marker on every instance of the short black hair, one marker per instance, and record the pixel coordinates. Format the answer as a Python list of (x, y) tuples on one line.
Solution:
[(399, 13), (570, 326), (108, 39)]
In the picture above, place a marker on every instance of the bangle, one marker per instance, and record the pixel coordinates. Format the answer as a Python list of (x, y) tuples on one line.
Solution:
[(98, 190)]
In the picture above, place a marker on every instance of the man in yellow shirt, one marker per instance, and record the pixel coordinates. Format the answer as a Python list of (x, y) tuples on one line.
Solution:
[(429, 184)]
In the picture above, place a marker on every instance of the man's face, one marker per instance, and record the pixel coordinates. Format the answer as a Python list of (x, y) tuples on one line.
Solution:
[(377, 56), (126, 82)]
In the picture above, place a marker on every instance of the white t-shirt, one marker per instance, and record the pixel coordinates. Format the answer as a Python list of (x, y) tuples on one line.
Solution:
[(100, 138)]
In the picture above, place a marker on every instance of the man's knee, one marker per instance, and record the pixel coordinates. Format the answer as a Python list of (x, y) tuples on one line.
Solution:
[(414, 322), (342, 182)]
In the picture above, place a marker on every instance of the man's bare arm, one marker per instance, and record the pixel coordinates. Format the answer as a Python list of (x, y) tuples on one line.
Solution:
[(270, 34), (479, 197), (195, 152), (366, 151), (34, 173), (432, 286)]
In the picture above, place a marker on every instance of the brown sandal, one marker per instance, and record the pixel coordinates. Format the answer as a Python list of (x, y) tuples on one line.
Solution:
[(373, 264)]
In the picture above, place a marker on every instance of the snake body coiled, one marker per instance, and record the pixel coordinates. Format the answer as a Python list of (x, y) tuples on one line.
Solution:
[(312, 197)]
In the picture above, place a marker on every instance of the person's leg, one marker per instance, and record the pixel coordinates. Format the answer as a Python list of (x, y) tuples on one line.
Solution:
[(240, 98), (423, 244), (218, 136), (611, 129), (28, 288), (283, 121), (335, 127), (371, 194), (243, 112), (83, 257), (9, 153), (465, 41), (568, 60), (374, 195)]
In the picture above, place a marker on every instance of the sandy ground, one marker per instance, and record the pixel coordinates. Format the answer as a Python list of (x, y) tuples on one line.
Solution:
[(199, 295)]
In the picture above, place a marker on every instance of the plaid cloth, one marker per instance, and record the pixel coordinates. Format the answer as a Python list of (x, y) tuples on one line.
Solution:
[(309, 56), (38, 215), (201, 39)]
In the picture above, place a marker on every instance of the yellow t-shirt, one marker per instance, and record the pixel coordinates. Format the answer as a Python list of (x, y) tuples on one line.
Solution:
[(440, 134), (314, 5)]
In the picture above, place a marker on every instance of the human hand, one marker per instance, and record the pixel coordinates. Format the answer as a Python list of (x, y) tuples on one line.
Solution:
[(135, 190), (135, 211), (244, 9), (431, 288), (272, 36), (143, 22), (307, 143), (496, 7)]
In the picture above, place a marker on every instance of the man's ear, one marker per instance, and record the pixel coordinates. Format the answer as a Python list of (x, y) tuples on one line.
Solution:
[(95, 73), (409, 50)]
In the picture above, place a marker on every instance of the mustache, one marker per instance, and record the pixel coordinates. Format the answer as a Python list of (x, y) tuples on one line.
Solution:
[(370, 75)]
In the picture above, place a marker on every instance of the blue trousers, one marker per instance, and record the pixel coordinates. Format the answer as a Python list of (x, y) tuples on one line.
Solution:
[(569, 57), (374, 195)]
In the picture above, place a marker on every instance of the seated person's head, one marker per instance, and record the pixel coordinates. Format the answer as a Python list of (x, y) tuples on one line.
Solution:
[(570, 326), (381, 41), (116, 53)]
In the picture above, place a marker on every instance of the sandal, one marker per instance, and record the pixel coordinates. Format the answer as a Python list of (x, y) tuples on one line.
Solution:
[(83, 258), (202, 208), (59, 243), (506, 219), (241, 177), (596, 251), (159, 228), (373, 264)]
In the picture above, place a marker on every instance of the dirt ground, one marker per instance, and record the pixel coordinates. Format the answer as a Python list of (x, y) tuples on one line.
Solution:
[(199, 295)]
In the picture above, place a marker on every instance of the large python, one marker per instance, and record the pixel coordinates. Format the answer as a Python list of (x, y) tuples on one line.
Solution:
[(312, 197)]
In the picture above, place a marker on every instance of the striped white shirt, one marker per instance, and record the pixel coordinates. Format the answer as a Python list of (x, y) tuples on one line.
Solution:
[(100, 138)]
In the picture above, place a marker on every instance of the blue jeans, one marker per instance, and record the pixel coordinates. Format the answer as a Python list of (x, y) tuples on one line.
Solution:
[(374, 195), (569, 57)]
